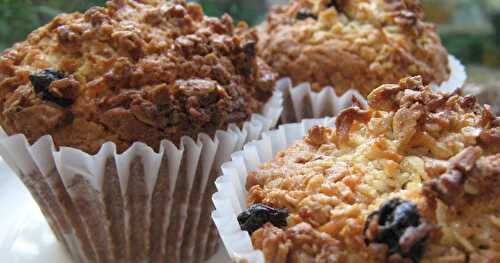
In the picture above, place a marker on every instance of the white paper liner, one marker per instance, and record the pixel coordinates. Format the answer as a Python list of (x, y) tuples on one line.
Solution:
[(230, 198), (457, 79), (109, 207), (300, 102)]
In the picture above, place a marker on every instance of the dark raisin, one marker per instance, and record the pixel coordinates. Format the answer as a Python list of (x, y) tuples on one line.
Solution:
[(398, 225), (250, 49), (303, 15), (259, 214), (336, 4), (41, 82)]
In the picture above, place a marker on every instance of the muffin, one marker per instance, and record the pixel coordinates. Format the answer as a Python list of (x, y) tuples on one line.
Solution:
[(117, 121), (355, 44), (132, 71), (413, 178)]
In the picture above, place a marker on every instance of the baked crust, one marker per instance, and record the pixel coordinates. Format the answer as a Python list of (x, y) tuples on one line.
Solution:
[(411, 144), (358, 44), (132, 71)]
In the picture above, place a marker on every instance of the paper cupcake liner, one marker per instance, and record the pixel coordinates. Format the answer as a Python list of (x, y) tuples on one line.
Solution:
[(300, 102), (230, 198), (457, 79), (137, 206)]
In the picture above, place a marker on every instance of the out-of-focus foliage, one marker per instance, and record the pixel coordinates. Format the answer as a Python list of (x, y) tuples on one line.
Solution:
[(470, 29), (251, 11), (19, 17)]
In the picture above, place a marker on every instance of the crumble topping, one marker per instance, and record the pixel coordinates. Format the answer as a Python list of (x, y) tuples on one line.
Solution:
[(413, 145)]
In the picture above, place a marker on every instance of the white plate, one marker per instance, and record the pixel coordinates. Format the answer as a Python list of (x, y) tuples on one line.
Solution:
[(25, 236)]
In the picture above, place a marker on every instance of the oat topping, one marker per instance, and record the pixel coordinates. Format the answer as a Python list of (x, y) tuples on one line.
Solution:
[(407, 180)]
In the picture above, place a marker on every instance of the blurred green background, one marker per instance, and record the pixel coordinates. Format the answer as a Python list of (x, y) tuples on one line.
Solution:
[(470, 29)]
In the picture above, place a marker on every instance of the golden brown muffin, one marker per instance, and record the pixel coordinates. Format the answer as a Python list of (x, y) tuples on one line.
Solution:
[(358, 44), (415, 178), (132, 71)]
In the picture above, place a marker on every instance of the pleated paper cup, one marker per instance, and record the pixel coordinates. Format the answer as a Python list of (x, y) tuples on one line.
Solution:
[(137, 206), (230, 198), (300, 102)]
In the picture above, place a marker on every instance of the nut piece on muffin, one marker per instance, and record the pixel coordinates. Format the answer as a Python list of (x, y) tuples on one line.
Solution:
[(413, 178), (132, 71), (357, 44)]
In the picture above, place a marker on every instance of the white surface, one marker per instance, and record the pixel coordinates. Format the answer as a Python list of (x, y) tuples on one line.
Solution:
[(25, 236)]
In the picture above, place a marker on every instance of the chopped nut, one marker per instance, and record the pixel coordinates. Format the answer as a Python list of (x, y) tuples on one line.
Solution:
[(67, 88), (382, 98), (318, 135), (345, 120), (315, 183), (398, 225), (490, 139), (405, 123), (380, 150), (450, 184), (435, 167), (486, 174)]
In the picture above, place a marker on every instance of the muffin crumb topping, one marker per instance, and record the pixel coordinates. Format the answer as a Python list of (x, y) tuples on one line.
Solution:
[(406, 180), (356, 44)]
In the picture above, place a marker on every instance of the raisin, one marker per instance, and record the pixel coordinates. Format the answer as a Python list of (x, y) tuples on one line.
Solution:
[(250, 51), (259, 214), (398, 225), (41, 82), (303, 15)]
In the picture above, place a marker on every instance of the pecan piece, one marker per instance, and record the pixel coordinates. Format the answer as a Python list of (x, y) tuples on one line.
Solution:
[(405, 123), (450, 184), (345, 120), (490, 140), (486, 174)]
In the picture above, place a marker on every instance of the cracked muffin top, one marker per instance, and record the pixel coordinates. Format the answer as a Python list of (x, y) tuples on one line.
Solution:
[(134, 70), (413, 178), (357, 44)]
